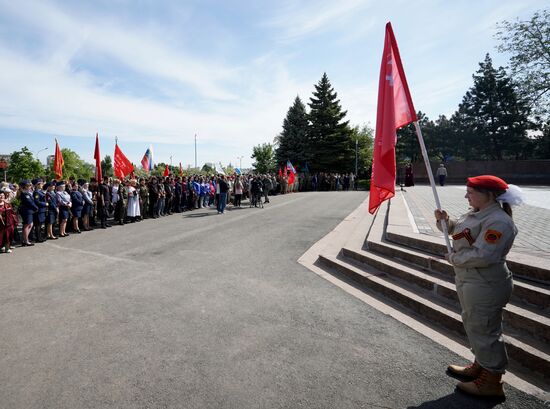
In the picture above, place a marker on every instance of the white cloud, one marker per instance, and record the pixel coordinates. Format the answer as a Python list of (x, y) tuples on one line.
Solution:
[(294, 19)]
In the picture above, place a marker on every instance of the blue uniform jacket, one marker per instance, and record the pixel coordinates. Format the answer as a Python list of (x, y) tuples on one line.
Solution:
[(40, 202), (77, 200), (28, 207), (52, 200)]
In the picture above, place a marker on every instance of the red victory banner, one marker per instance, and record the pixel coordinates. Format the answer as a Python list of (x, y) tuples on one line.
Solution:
[(58, 162), (97, 157), (123, 166), (166, 171), (395, 110)]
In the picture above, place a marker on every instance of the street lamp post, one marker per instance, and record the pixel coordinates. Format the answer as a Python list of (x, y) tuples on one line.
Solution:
[(41, 150), (240, 158)]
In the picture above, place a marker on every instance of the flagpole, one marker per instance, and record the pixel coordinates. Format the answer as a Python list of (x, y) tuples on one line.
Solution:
[(432, 183)]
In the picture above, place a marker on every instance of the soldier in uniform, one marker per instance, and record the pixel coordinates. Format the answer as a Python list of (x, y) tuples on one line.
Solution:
[(27, 210), (481, 240), (143, 199), (53, 211), (39, 217), (104, 202)]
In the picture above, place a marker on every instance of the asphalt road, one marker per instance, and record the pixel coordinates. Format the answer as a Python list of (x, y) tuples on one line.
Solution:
[(208, 311)]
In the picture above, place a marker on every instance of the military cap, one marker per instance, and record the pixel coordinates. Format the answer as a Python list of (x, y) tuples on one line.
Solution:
[(60, 183), (25, 182), (47, 185)]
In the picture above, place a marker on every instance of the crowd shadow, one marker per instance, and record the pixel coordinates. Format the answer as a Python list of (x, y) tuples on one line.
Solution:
[(460, 400), (195, 215)]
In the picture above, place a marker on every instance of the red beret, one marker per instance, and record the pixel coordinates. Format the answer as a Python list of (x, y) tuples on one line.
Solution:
[(488, 182)]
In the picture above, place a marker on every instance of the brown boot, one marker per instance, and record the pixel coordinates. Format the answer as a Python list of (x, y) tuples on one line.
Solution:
[(487, 384), (471, 371)]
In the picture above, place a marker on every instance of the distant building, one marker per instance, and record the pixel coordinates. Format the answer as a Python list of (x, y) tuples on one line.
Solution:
[(5, 158), (49, 160)]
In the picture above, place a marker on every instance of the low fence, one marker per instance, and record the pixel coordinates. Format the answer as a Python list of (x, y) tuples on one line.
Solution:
[(524, 172)]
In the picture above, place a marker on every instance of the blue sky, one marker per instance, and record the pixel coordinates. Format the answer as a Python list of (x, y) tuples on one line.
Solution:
[(157, 72)]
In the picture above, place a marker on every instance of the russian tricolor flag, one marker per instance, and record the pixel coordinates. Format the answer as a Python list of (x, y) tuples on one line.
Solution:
[(147, 161)]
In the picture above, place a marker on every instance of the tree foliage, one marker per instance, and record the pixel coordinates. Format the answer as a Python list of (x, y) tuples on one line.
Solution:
[(528, 43), (364, 135), (74, 166), (264, 157), (292, 143), (23, 165), (492, 113), (107, 166), (329, 136)]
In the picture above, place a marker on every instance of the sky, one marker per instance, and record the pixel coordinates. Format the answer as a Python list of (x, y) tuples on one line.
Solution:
[(159, 72)]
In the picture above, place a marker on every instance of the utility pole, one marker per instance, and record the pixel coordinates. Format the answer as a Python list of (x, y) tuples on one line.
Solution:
[(195, 151), (356, 155)]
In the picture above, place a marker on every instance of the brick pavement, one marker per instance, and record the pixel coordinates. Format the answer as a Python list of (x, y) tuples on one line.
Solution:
[(532, 219)]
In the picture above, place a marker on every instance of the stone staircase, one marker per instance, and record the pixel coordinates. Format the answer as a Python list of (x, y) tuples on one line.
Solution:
[(409, 271)]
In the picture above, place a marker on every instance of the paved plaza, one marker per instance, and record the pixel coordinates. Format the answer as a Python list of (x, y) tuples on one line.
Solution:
[(532, 218), (199, 310)]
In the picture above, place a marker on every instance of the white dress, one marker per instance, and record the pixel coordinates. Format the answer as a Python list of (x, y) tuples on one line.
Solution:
[(133, 202)]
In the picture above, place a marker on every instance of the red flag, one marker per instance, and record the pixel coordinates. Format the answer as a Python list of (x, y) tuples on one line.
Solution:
[(166, 171), (395, 109), (291, 178), (123, 166), (58, 162), (280, 172), (181, 170), (97, 157)]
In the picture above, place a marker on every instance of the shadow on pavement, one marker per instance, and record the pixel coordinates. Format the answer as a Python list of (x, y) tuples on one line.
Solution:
[(198, 215), (460, 400)]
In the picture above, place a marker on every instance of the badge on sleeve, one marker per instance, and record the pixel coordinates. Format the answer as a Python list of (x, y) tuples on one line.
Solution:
[(492, 236)]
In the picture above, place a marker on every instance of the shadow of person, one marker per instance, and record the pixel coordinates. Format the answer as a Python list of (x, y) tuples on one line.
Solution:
[(460, 400)]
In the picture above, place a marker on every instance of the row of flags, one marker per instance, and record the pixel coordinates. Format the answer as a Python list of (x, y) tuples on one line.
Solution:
[(289, 171), (122, 165)]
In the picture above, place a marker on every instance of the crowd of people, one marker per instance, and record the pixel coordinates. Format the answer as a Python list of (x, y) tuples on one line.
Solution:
[(47, 210)]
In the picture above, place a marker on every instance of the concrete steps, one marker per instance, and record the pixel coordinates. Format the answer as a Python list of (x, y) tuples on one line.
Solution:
[(538, 274), (532, 296), (422, 284)]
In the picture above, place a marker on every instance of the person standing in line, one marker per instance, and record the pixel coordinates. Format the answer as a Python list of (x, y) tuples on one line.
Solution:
[(53, 211), (481, 240), (88, 208), (238, 191), (27, 209), (64, 203), (77, 205), (133, 202), (441, 173), (104, 202), (224, 188), (154, 198), (39, 217), (143, 199), (8, 221)]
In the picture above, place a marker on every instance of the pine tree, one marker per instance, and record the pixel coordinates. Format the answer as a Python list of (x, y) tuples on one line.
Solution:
[(329, 139), (492, 119), (292, 143)]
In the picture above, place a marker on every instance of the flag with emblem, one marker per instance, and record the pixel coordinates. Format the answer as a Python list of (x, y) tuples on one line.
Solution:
[(122, 166), (395, 110)]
